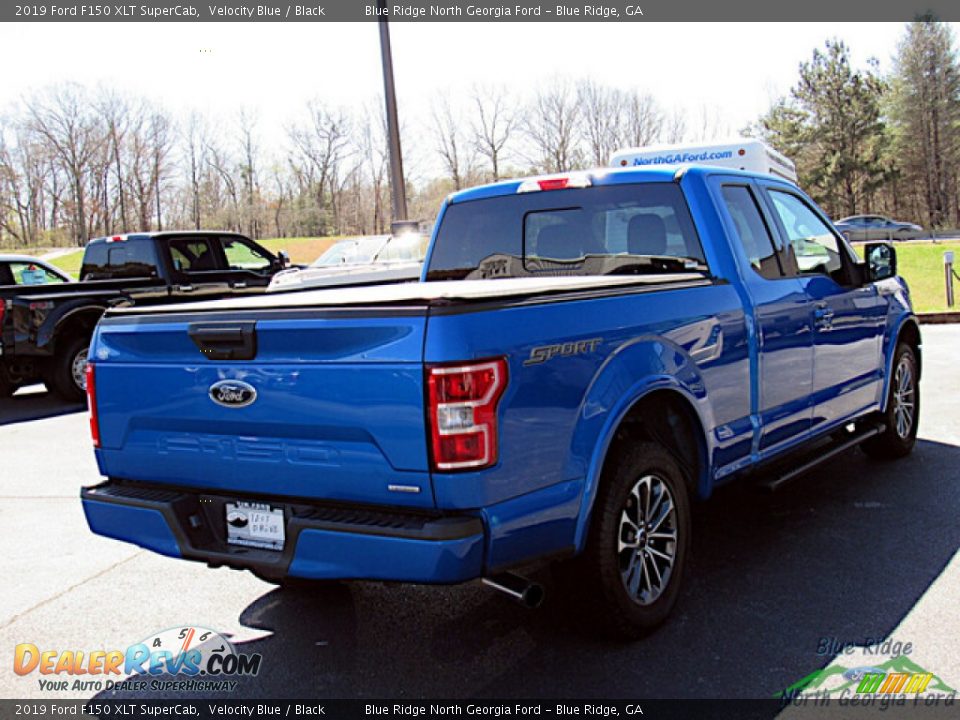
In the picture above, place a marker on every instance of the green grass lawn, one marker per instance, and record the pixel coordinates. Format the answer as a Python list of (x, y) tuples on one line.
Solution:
[(303, 250), (69, 263), (921, 263)]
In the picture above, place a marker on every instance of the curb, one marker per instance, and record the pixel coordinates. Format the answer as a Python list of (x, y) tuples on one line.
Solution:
[(938, 318)]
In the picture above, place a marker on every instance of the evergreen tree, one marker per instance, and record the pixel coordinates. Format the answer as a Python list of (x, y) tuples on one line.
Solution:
[(925, 115), (831, 126)]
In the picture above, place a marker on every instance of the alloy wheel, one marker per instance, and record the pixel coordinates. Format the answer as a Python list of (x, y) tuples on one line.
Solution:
[(647, 542), (78, 368), (904, 398)]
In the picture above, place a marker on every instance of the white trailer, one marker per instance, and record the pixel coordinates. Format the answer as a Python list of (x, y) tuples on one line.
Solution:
[(741, 154)]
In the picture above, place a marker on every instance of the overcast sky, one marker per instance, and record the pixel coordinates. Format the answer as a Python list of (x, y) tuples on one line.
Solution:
[(733, 68)]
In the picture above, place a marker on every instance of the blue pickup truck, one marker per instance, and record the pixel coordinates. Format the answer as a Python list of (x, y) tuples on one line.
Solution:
[(586, 355)]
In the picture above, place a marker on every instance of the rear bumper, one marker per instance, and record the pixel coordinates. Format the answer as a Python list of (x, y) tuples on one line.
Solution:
[(322, 542)]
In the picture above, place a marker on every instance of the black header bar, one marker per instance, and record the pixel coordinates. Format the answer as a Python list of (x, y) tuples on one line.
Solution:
[(480, 11)]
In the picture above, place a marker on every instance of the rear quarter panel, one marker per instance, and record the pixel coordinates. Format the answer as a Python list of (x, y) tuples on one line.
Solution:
[(556, 417)]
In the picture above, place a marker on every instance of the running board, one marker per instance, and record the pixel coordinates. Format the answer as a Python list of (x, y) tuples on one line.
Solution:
[(831, 451)]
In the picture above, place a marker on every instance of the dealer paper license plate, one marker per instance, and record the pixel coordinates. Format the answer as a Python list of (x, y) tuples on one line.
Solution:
[(255, 525)]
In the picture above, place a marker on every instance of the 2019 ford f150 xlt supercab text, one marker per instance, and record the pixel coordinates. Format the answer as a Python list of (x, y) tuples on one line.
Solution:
[(585, 355)]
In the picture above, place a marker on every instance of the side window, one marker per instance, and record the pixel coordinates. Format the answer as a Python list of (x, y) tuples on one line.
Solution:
[(192, 254), (32, 274), (242, 255), (752, 231), (814, 245)]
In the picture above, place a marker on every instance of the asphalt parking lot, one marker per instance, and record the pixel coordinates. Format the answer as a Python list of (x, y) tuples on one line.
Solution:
[(856, 550)]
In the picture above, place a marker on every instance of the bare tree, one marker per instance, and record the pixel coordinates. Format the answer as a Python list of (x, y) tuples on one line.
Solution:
[(161, 131), (194, 138), (248, 170), (319, 148), (282, 197), (452, 146), (600, 118), (493, 125), (64, 118), (642, 119), (674, 126), (551, 126), (113, 110), (710, 124), (219, 162), (373, 149)]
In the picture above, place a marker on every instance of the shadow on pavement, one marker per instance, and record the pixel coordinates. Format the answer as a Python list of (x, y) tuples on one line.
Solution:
[(35, 404), (845, 553)]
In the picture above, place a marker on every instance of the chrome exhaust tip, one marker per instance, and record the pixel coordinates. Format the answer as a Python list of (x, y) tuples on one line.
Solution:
[(526, 592)]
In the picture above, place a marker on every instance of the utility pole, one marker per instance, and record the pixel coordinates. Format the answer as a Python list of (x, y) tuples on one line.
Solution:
[(397, 189)]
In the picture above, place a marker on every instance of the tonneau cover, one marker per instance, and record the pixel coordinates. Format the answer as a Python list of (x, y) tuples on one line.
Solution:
[(418, 293)]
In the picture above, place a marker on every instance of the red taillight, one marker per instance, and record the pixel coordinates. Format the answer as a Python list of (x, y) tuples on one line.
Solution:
[(91, 375), (463, 413), (3, 311)]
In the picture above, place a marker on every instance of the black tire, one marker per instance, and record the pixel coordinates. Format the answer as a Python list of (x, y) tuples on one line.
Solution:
[(903, 409), (61, 378), (605, 569)]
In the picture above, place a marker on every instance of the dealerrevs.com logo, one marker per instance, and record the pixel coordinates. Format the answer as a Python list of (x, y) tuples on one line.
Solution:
[(188, 658)]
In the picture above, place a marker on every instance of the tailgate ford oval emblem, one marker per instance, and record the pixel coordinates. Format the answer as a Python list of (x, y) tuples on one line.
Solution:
[(233, 393)]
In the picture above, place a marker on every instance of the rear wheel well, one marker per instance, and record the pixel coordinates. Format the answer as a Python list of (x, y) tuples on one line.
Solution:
[(79, 325), (910, 334), (667, 418)]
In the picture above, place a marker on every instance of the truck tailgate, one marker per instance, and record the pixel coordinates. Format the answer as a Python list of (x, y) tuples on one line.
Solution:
[(337, 414)]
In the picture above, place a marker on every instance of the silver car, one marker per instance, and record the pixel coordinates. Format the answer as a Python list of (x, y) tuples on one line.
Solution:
[(371, 260), (877, 227)]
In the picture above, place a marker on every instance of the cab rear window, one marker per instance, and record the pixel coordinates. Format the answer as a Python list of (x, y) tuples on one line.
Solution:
[(133, 258), (612, 230)]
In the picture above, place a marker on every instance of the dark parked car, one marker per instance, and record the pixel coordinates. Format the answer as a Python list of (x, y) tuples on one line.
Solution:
[(877, 227), (46, 321)]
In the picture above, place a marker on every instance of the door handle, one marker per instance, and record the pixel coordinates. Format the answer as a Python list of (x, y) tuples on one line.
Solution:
[(185, 288)]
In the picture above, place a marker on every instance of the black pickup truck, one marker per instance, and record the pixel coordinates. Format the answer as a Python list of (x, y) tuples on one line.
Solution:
[(46, 324)]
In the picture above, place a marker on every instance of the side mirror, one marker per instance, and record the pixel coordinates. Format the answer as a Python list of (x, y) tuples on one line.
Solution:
[(880, 260), (284, 257)]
